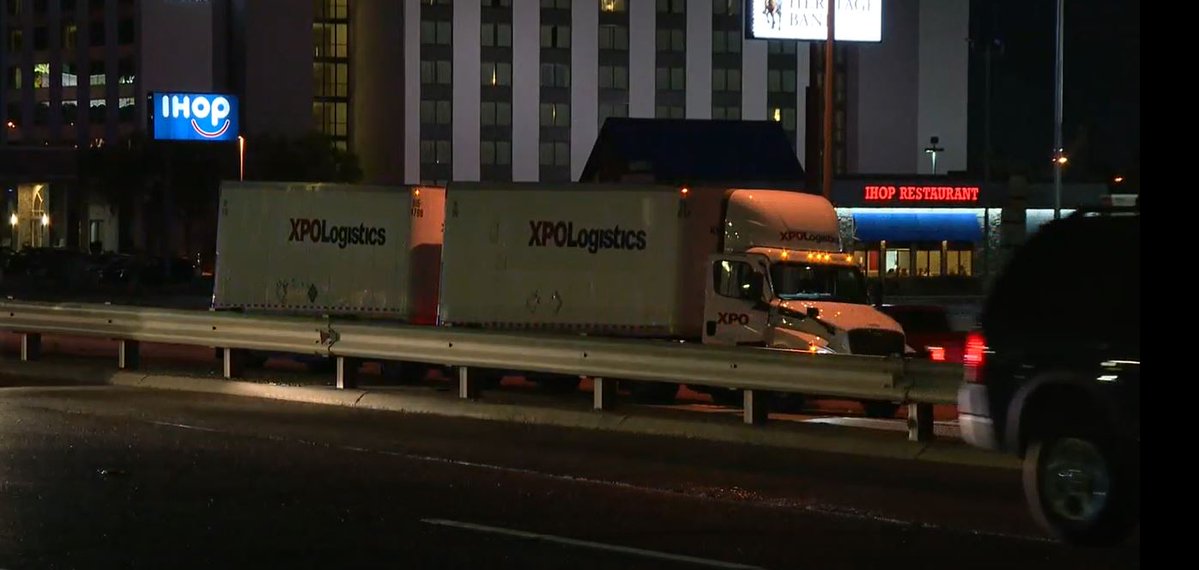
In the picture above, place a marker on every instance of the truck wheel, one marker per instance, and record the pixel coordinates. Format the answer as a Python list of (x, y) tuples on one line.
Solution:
[(652, 392), (879, 408), (727, 396), (787, 402), (1078, 489), (556, 383), (404, 372)]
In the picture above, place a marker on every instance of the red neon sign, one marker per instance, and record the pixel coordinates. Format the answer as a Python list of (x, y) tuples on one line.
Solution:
[(922, 193)]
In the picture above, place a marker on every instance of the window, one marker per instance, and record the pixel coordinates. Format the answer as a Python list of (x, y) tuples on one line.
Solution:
[(559, 4), (125, 31), (555, 75), (495, 152), (70, 36), (613, 77), (97, 33), (781, 80), (672, 40), (436, 72), (496, 73), (555, 36), (671, 6), (435, 152), (614, 37), (554, 154), (724, 41), (436, 112), (41, 75), (15, 40), (613, 6), (732, 113), (959, 262), (331, 9), (330, 40), (612, 110), (671, 78), (733, 279), (497, 3), (726, 79), (555, 115), (781, 47), (726, 7), (331, 118), (670, 112), (494, 113), (331, 79), (497, 35), (435, 33)]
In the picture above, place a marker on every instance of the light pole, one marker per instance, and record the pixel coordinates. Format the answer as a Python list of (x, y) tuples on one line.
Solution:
[(1059, 159), (827, 163), (932, 149), (241, 157)]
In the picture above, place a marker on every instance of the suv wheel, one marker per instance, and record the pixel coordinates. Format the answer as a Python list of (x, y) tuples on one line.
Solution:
[(1077, 489)]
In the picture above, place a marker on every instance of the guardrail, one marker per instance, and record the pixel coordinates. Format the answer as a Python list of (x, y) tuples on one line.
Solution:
[(755, 372)]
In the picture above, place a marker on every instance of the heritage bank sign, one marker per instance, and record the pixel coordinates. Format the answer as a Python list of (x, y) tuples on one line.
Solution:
[(856, 20)]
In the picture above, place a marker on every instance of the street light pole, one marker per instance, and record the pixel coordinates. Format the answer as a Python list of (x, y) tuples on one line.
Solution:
[(827, 164), (1057, 113)]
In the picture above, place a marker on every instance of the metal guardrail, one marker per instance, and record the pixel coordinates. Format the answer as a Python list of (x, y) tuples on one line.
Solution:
[(920, 384)]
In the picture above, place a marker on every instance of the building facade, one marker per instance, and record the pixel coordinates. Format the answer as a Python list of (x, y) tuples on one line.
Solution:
[(517, 89)]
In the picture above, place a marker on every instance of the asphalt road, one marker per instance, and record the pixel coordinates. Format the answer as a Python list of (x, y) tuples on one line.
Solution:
[(103, 477)]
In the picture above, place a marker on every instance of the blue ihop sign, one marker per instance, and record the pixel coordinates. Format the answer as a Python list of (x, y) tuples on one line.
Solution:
[(194, 117)]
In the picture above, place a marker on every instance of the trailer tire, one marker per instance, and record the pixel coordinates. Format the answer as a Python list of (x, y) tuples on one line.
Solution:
[(653, 392)]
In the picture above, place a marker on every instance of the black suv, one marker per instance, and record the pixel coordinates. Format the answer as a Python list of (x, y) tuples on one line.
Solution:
[(1054, 374)]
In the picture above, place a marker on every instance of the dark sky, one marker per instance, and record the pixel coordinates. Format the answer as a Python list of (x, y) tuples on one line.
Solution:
[(1101, 111)]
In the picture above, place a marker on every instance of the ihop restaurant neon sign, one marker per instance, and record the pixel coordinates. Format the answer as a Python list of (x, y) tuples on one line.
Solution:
[(194, 117)]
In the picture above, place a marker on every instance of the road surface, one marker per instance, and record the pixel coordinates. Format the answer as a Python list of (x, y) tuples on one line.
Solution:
[(106, 477)]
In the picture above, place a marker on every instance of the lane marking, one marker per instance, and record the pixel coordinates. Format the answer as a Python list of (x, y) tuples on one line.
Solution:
[(654, 554)]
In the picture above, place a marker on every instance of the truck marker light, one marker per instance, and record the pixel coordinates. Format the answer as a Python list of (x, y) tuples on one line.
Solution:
[(684, 191)]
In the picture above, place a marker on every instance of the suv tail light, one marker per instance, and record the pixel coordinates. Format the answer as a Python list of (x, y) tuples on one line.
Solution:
[(974, 357), (936, 353)]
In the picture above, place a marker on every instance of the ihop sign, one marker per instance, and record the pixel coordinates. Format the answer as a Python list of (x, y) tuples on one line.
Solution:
[(194, 117)]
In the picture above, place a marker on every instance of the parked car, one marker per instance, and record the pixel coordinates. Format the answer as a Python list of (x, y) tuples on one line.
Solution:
[(1054, 374), (928, 331)]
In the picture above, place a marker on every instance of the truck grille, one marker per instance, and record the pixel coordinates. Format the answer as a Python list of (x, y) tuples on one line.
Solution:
[(875, 342)]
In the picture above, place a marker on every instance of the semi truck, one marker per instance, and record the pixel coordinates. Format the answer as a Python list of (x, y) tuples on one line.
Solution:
[(744, 267)]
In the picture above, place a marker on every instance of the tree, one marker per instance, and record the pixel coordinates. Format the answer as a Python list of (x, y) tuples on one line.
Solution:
[(313, 157)]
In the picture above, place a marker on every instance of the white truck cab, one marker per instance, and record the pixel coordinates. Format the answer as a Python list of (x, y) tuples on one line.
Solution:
[(784, 281)]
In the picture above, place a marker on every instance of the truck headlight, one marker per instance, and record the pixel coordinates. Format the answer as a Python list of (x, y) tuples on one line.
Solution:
[(817, 349)]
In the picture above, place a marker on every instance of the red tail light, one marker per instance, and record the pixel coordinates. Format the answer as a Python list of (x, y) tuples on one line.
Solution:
[(936, 353), (974, 357)]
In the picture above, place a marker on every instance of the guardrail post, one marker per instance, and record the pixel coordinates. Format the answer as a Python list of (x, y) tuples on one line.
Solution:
[(754, 406), (468, 383), (603, 393), (347, 372), (920, 422), (31, 346), (234, 363), (129, 355)]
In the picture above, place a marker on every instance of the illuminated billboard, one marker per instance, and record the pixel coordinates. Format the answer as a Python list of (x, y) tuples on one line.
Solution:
[(856, 20), (193, 117)]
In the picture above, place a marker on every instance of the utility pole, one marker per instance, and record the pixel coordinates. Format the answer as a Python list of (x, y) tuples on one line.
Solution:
[(1058, 155), (827, 165)]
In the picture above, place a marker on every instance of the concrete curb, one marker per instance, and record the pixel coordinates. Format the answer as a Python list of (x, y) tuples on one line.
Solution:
[(822, 438)]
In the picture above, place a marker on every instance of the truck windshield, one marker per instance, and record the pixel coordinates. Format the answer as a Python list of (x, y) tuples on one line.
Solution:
[(802, 281)]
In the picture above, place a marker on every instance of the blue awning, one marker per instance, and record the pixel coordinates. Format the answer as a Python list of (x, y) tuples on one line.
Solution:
[(917, 226)]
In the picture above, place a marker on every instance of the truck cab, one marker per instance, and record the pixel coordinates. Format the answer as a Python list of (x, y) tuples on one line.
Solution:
[(784, 281), (801, 300)]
